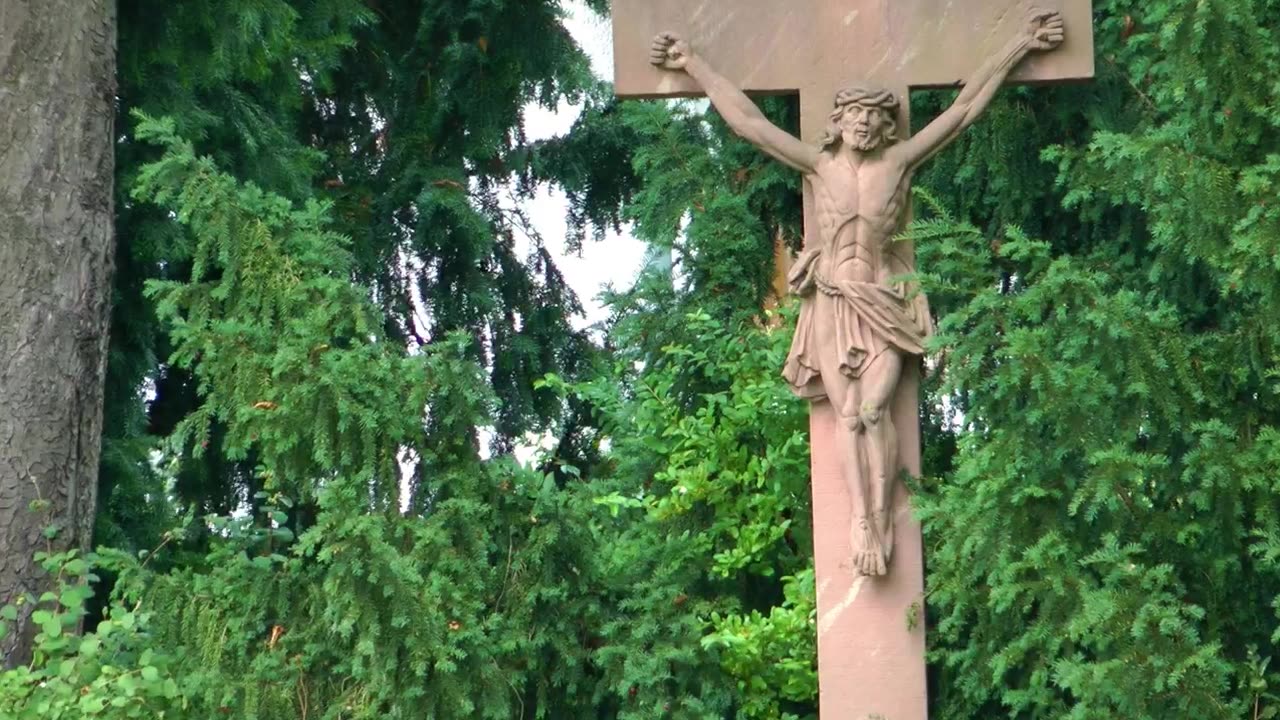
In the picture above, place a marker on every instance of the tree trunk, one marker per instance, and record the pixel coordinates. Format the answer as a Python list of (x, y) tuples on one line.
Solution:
[(57, 99)]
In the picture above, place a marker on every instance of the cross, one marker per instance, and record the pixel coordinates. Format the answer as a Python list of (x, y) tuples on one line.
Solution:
[(870, 657)]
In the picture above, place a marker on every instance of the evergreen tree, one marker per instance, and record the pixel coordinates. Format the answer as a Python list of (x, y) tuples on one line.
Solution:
[(1100, 545), (417, 105)]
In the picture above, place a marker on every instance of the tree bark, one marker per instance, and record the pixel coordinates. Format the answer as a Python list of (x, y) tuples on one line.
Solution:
[(57, 99)]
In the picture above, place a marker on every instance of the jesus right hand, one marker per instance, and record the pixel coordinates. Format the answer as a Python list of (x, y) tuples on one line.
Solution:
[(1044, 29), (669, 51)]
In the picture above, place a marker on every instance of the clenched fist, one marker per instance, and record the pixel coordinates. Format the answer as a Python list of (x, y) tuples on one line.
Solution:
[(1044, 29), (669, 51)]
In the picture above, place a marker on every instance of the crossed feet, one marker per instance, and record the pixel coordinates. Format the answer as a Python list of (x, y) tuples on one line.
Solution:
[(872, 541)]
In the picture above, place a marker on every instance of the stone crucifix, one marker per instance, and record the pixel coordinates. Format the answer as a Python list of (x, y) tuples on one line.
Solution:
[(861, 331)]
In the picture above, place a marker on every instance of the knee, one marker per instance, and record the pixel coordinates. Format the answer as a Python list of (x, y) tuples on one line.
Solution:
[(871, 416)]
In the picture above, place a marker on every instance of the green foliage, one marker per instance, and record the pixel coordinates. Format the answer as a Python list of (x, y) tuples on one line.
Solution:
[(422, 131), (408, 118), (112, 672), (229, 75), (503, 591), (736, 456), (709, 457), (1100, 548), (772, 656), (475, 605), (274, 332), (274, 314), (1106, 379), (284, 342)]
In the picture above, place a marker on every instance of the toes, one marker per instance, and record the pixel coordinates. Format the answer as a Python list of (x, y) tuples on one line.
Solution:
[(870, 562), (862, 563)]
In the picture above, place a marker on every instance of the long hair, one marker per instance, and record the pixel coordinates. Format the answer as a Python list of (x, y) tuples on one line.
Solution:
[(862, 95)]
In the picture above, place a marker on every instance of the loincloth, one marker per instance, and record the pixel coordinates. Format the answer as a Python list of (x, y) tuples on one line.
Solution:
[(867, 319)]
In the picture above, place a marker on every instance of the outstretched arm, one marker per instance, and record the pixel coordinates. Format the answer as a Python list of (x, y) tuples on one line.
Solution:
[(742, 115), (1043, 31)]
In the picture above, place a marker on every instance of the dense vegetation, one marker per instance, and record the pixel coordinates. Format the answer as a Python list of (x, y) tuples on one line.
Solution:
[(309, 506)]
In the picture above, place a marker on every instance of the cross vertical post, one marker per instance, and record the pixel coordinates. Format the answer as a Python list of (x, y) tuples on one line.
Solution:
[(871, 650)]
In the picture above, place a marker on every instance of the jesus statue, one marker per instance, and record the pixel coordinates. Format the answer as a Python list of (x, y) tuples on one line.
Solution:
[(859, 323)]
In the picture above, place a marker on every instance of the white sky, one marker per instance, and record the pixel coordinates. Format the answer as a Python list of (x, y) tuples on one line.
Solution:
[(618, 259), (614, 261)]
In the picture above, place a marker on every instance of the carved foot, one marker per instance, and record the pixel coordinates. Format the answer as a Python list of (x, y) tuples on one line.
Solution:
[(868, 554)]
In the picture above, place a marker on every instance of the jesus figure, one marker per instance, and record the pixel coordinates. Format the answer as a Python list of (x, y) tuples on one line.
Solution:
[(859, 324)]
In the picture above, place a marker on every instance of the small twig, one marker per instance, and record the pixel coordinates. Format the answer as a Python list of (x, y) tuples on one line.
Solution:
[(1141, 95), (302, 695), (506, 578), (514, 689), (167, 537)]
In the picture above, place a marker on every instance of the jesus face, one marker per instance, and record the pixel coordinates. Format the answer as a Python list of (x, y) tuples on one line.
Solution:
[(862, 126)]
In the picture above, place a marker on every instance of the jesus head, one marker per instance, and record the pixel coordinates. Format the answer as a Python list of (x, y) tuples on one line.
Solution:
[(864, 118)]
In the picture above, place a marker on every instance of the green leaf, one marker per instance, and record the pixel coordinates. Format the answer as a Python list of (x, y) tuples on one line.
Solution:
[(92, 704)]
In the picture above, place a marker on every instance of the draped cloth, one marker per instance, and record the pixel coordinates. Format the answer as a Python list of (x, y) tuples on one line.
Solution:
[(866, 319)]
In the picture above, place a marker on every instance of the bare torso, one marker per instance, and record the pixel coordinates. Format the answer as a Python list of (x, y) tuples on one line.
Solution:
[(859, 208)]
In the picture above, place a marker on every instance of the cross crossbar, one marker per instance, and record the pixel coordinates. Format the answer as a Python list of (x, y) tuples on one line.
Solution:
[(814, 47)]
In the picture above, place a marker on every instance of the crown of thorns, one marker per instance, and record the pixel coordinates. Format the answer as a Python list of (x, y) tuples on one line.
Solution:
[(874, 97)]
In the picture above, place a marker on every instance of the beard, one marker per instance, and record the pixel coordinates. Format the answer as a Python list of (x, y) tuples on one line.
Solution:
[(863, 143)]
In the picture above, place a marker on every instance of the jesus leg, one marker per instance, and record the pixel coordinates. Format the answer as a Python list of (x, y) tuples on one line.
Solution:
[(879, 382), (867, 557)]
